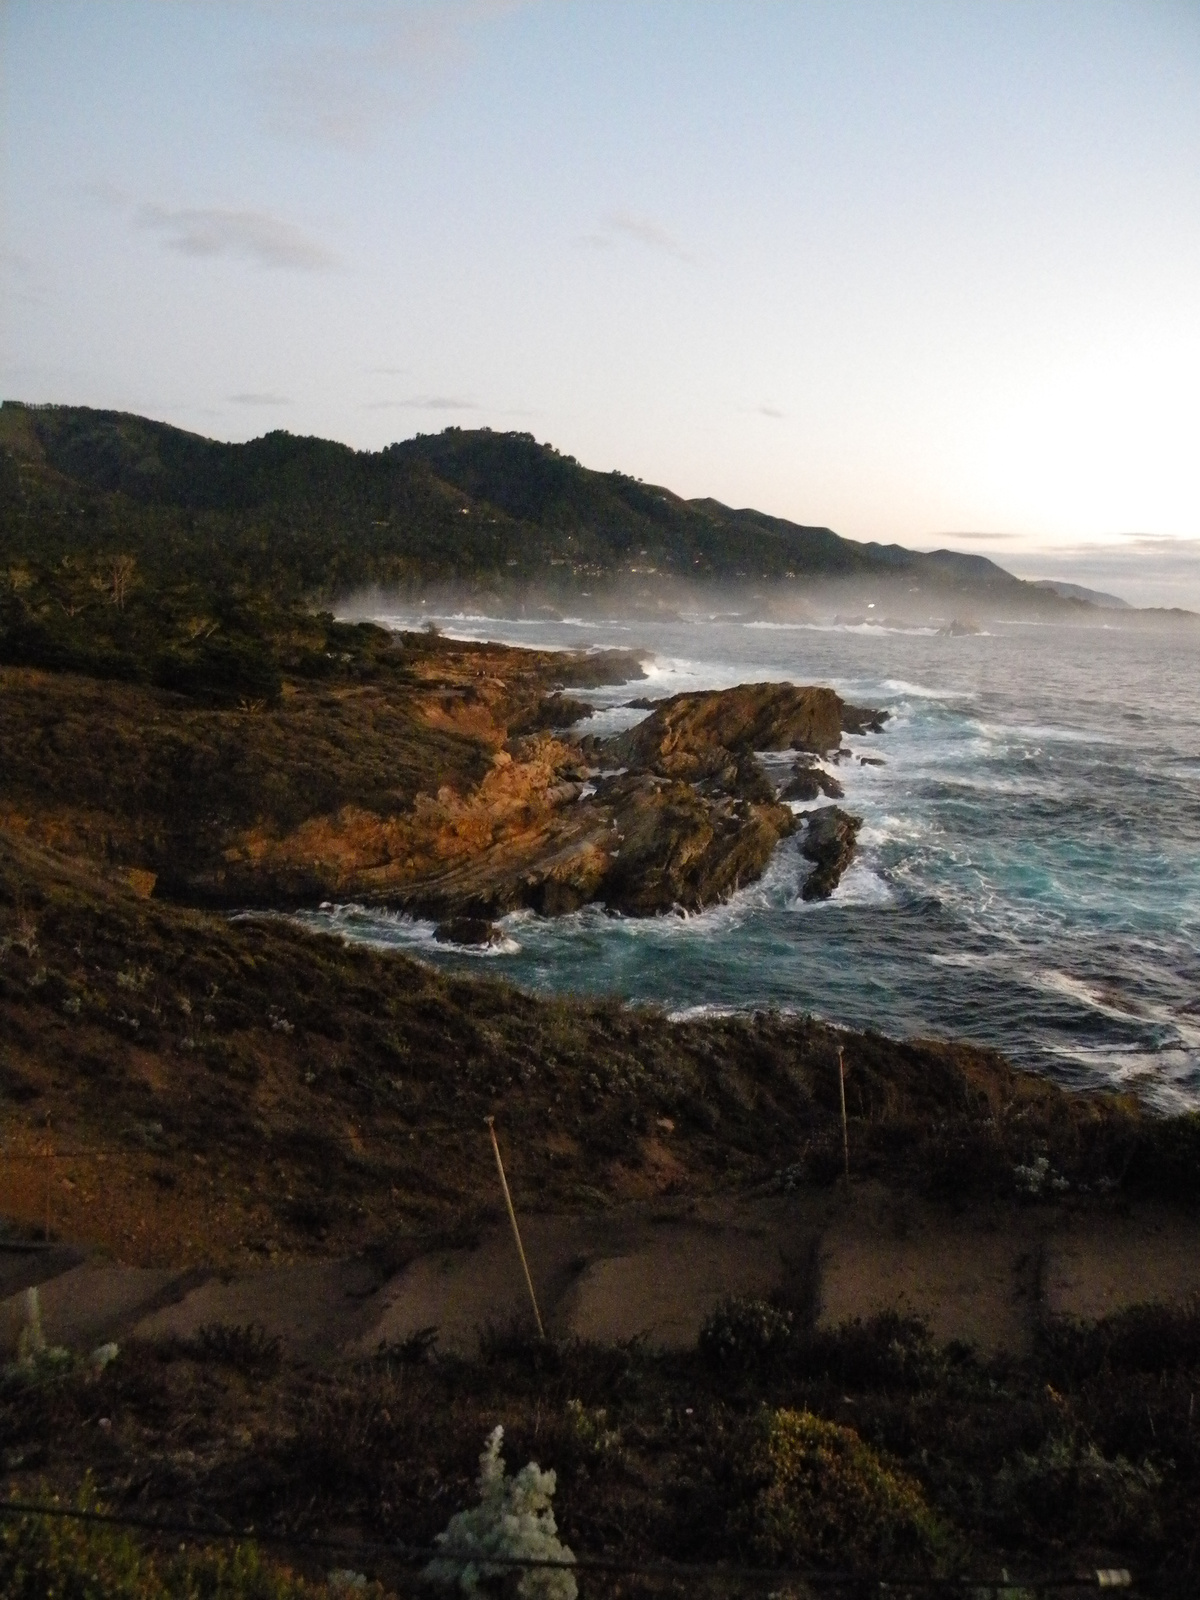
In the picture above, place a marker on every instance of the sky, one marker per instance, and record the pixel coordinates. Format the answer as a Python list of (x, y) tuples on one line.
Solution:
[(919, 270)]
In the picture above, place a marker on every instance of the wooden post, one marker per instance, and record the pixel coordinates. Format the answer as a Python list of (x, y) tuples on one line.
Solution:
[(512, 1217), (49, 1181), (845, 1126)]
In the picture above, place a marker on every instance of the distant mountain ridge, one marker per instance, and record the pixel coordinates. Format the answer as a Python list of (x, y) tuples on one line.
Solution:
[(1077, 591), (492, 510)]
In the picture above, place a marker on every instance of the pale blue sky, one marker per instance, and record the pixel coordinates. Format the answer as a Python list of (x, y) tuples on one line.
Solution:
[(914, 270)]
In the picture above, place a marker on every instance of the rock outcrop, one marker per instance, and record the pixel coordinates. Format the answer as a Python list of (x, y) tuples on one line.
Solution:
[(676, 814), (684, 736), (683, 848), (828, 842), (809, 780), (428, 794)]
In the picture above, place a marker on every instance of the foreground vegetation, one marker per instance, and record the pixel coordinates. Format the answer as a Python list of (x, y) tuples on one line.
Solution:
[(867, 1449), (255, 1090)]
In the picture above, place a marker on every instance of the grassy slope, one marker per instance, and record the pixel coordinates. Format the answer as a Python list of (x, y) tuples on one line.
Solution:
[(266, 1089)]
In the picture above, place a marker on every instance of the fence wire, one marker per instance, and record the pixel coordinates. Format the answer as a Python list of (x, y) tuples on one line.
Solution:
[(413, 1557)]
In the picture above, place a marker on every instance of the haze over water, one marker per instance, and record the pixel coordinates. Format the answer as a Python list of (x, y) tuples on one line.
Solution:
[(1029, 867)]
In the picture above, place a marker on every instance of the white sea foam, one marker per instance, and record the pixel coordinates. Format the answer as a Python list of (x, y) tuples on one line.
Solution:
[(869, 628), (894, 828), (920, 691), (696, 1012), (1166, 1080), (1105, 1002), (393, 930), (611, 720), (861, 885)]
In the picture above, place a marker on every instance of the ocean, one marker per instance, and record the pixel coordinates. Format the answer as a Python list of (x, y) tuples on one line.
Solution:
[(1028, 873)]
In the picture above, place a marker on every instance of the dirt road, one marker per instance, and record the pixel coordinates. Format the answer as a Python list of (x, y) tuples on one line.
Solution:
[(985, 1277)]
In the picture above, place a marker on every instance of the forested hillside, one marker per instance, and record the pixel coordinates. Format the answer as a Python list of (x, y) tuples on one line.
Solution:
[(311, 517)]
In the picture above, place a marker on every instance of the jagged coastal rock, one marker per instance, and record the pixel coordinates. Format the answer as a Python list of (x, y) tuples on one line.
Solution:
[(682, 847), (829, 841), (677, 813), (520, 810), (809, 780)]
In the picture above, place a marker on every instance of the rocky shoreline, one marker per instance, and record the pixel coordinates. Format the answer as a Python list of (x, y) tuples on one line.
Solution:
[(450, 780), (676, 814)]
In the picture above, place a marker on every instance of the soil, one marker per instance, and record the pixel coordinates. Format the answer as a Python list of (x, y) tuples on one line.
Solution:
[(988, 1278)]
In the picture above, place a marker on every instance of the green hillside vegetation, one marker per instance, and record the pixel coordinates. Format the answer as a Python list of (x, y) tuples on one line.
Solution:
[(302, 517)]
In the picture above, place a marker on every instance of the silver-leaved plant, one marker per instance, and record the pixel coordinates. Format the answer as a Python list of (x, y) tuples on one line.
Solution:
[(513, 1522)]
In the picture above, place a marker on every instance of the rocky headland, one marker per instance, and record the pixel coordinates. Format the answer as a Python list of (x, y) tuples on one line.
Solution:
[(450, 781), (676, 814)]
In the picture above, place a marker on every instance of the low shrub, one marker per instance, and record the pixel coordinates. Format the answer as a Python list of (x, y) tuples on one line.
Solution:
[(1165, 1159), (518, 1343), (588, 1430), (888, 1351), (818, 1493), (415, 1349), (247, 1348), (45, 1557), (1069, 1493), (744, 1335), (1150, 1339)]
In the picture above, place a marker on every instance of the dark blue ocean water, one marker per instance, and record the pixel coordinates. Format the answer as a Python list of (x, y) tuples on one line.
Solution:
[(1029, 867)]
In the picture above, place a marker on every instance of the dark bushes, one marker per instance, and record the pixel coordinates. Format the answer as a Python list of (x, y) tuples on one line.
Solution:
[(221, 671), (1071, 1494), (247, 1348), (1146, 1339), (745, 1335)]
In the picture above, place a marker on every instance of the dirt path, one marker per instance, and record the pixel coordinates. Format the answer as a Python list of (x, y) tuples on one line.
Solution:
[(983, 1277)]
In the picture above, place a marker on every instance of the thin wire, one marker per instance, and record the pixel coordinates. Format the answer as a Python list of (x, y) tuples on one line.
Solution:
[(412, 1555), (82, 1151)]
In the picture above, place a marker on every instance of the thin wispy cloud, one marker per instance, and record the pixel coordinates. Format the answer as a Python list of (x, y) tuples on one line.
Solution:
[(370, 67), (1160, 544), (255, 236), (619, 226), (256, 399), (771, 411), (983, 538), (422, 402), (648, 232)]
